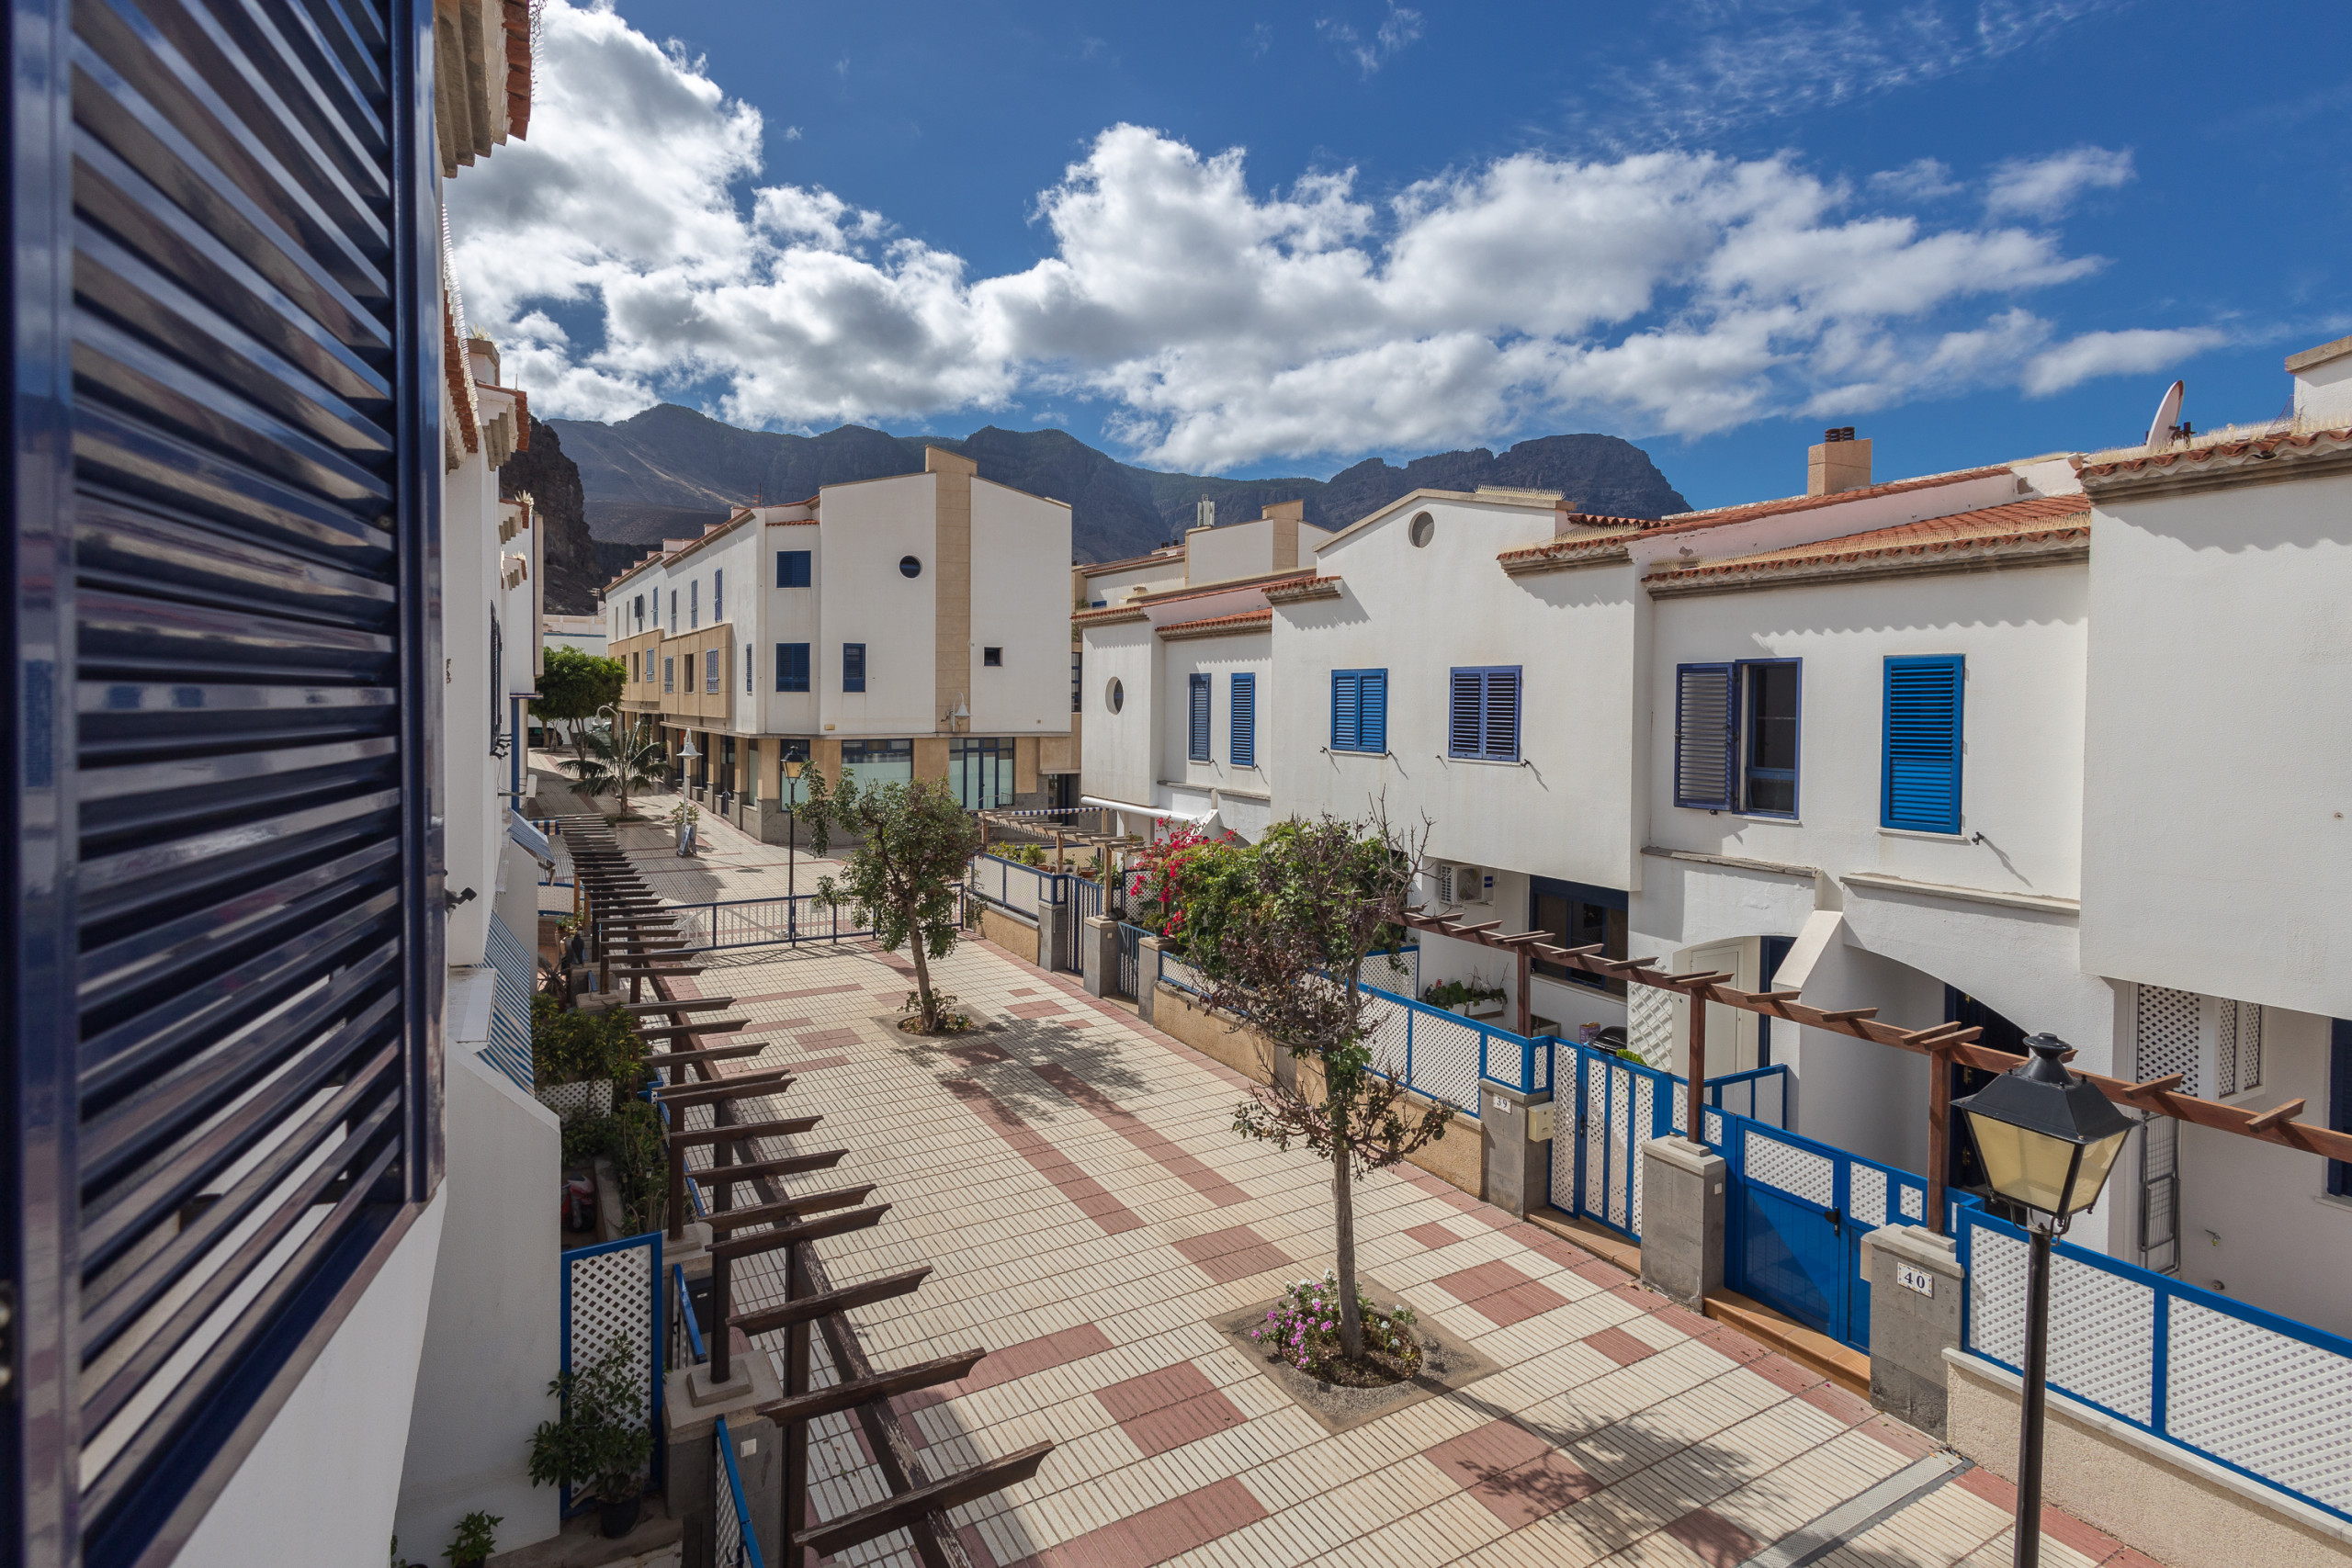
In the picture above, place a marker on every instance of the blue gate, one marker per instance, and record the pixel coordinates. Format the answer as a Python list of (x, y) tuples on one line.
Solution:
[(1086, 904), (616, 1291), (1605, 1108), (1795, 1214)]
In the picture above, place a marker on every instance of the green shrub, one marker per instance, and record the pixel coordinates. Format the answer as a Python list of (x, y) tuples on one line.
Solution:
[(572, 1046), (631, 1138), (600, 1441)]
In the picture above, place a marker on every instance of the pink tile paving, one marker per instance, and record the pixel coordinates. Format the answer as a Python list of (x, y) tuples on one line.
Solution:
[(1005, 1175)]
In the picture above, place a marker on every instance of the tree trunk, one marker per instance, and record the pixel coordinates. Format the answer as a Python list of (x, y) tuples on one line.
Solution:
[(1343, 1208), (923, 973)]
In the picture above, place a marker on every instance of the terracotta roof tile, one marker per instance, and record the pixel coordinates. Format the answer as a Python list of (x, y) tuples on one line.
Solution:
[(2193, 460), (1303, 587), (2018, 522), (1110, 612), (1245, 621), (1747, 510)]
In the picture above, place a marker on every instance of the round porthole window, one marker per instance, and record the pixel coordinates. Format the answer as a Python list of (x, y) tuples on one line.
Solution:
[(1422, 529), (909, 567), (1115, 696)]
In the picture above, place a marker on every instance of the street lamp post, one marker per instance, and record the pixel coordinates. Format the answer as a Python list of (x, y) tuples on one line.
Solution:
[(2048, 1140), (686, 755), (792, 766)]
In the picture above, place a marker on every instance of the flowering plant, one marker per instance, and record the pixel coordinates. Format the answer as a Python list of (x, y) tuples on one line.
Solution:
[(1303, 1326), (1164, 872)]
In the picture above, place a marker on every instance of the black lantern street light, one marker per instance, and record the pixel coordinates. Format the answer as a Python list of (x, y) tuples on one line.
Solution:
[(792, 766), (2048, 1140)]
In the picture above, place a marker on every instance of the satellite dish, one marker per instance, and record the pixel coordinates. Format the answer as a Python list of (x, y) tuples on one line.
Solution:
[(2168, 415)]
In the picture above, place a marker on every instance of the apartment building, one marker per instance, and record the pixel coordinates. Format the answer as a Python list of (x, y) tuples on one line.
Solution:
[(894, 630), (275, 1213), (1173, 648), (1883, 743)]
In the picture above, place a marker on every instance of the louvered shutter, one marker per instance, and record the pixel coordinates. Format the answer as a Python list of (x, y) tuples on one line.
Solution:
[(1198, 738), (1371, 725), (1705, 741), (1347, 695), (1466, 710), (1502, 715), (1243, 721), (224, 963), (1923, 744)]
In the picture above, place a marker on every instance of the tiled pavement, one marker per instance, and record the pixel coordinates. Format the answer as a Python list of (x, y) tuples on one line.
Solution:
[(1072, 1179)]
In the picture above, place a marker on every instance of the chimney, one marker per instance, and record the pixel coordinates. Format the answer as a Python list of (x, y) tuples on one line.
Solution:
[(1840, 462)]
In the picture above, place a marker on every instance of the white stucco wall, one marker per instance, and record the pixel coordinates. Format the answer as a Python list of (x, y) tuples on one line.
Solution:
[(491, 1341), (321, 1485), (789, 615), (1020, 544), (1418, 613), (1114, 587), (1119, 757), (2023, 634), (2218, 844), (1218, 658), (867, 527), (474, 822)]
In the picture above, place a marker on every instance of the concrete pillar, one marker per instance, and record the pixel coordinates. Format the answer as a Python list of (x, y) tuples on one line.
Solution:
[(1053, 920), (1102, 958), (1518, 1163), (1682, 1219), (1917, 1288), (691, 1408), (1146, 975)]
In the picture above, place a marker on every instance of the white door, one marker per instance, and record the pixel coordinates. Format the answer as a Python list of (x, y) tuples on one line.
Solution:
[(1731, 1033)]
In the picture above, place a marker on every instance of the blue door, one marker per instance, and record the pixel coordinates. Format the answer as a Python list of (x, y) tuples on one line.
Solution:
[(1790, 1248)]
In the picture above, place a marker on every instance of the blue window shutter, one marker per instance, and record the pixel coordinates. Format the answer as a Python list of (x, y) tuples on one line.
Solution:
[(1198, 748), (792, 667), (792, 569), (1705, 739), (1465, 708), (1921, 770), (718, 594), (1346, 700), (1372, 729), (853, 667), (2339, 1099), (1502, 715), (1242, 726)]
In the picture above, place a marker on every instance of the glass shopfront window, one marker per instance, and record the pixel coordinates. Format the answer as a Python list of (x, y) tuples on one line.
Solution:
[(878, 761), (979, 772)]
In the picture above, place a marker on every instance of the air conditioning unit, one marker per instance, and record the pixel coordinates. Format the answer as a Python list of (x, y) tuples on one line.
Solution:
[(1470, 884), (1442, 883)]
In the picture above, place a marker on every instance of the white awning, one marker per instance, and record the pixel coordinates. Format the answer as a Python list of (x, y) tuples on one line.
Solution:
[(1132, 810)]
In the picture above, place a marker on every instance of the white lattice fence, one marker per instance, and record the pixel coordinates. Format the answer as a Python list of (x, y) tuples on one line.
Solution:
[(1800, 1172), (608, 1292), (1651, 1014), (1445, 1059), (2271, 1401)]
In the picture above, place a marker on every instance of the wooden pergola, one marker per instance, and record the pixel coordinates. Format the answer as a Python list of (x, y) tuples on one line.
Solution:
[(1942, 1043)]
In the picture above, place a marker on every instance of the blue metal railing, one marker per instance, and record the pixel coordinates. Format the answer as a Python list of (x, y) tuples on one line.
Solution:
[(734, 1544)]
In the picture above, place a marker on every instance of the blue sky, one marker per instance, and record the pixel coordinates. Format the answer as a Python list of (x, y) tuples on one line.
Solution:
[(1274, 240)]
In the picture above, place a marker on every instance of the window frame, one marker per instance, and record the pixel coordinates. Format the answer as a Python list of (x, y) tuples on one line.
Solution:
[(1352, 739), (992, 658), (1609, 900), (711, 685), (2339, 1099), (1739, 737), (786, 561), (784, 678), (854, 679), (1241, 718), (1484, 677), (694, 604), (718, 594), (669, 674), (1199, 719), (1957, 663)]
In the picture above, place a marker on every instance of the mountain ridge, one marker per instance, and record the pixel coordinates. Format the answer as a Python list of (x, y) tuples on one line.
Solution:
[(670, 470)]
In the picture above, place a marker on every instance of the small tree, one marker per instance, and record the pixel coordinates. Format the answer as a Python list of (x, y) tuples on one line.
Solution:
[(1279, 932), (617, 758), (575, 687), (914, 844), (600, 1440)]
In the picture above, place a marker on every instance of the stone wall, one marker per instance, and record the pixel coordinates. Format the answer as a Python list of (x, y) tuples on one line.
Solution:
[(1010, 931)]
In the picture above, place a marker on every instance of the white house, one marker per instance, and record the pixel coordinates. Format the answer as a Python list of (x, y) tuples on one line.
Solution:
[(585, 633), (1886, 745), (898, 628)]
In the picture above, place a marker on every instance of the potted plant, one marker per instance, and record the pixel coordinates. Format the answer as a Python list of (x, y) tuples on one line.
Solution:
[(473, 1542), (599, 1442)]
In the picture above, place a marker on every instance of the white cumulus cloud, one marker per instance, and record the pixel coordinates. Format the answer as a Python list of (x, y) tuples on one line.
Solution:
[(2046, 187), (1221, 323)]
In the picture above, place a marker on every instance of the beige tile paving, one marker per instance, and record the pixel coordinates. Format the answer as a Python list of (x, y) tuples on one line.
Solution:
[(1016, 1259)]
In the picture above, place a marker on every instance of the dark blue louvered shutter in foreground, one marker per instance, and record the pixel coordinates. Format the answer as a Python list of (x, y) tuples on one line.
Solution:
[(225, 960), (1371, 725), (1197, 737), (1921, 789), (1705, 744), (1242, 726), (1347, 696)]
